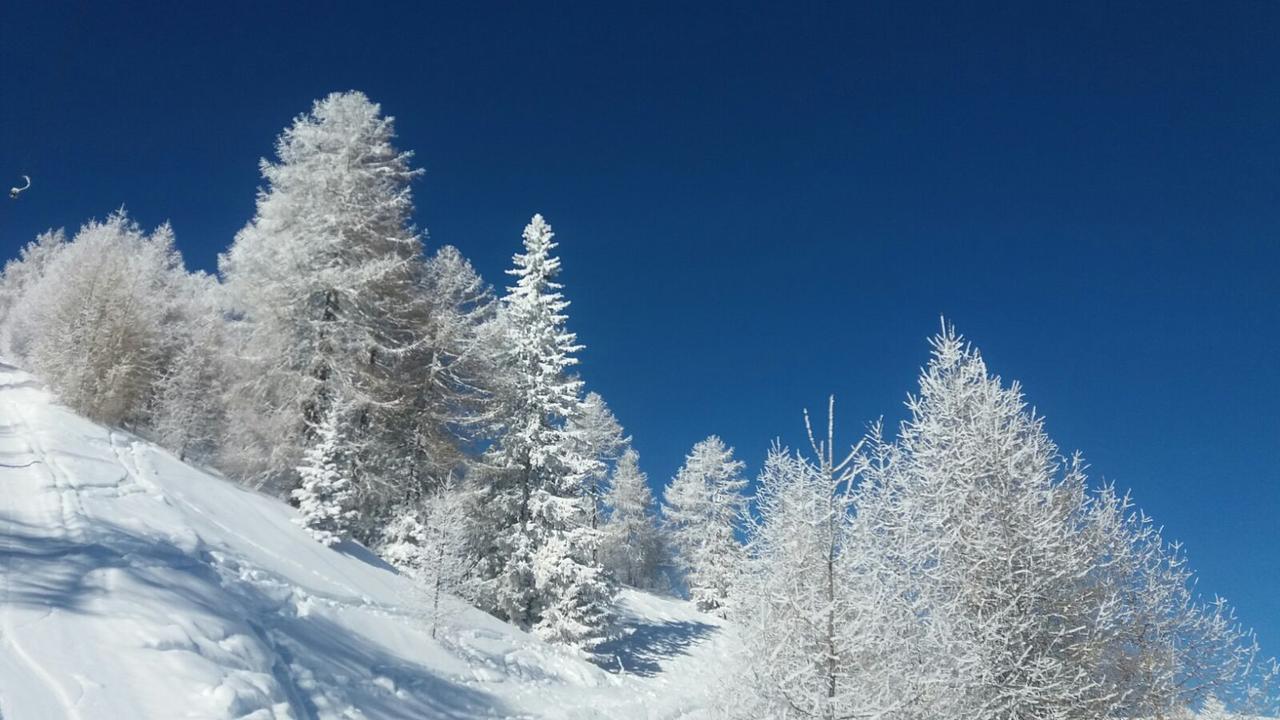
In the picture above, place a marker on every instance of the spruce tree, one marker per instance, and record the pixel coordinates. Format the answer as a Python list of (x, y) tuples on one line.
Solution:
[(539, 559), (325, 494)]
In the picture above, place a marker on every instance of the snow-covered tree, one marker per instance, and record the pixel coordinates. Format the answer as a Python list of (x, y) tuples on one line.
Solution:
[(189, 411), (911, 658), (985, 522), (1026, 594), (538, 548), (1213, 709), (1166, 647), (97, 317), (812, 632), (704, 506), (451, 374), (631, 545), (599, 437), (322, 282), (19, 275), (325, 495), (427, 539), (575, 593)]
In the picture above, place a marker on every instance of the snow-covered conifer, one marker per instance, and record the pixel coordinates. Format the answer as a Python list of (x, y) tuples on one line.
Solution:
[(985, 521), (704, 506), (427, 539), (321, 281), (538, 548), (631, 545), (575, 593), (19, 275), (325, 494), (598, 437), (1213, 709), (811, 630), (451, 373), (97, 319), (1031, 596), (1165, 647), (189, 411)]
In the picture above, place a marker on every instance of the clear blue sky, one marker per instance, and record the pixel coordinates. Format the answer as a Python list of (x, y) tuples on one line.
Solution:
[(759, 205)]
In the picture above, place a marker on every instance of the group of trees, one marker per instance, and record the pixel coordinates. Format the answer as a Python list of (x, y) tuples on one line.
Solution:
[(961, 568), (388, 393), (966, 569), (110, 294)]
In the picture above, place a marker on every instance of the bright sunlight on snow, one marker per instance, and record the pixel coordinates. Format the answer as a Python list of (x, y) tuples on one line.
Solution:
[(136, 586)]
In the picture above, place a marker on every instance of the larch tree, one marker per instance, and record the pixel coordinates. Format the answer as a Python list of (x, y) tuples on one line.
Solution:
[(988, 518), (1028, 594), (1166, 648), (321, 282), (20, 274), (451, 381), (189, 410), (452, 372), (599, 437), (428, 542), (812, 625), (97, 320), (911, 658), (631, 545), (704, 506)]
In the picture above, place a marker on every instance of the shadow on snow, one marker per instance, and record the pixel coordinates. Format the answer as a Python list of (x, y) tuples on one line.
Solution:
[(54, 573), (643, 645)]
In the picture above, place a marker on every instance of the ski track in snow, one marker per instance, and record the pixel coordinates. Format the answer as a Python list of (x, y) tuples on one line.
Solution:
[(135, 586), (39, 458)]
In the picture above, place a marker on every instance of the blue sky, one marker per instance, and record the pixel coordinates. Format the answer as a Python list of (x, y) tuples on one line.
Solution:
[(762, 204)]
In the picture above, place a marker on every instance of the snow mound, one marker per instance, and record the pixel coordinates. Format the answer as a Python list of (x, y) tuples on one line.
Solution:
[(135, 586)]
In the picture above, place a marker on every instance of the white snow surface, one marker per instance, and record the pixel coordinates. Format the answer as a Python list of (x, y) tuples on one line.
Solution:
[(135, 586)]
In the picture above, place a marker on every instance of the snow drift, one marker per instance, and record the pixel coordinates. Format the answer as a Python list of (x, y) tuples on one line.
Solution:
[(136, 586)]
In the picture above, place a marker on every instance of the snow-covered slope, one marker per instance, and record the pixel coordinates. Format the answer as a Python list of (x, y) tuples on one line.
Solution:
[(135, 586)]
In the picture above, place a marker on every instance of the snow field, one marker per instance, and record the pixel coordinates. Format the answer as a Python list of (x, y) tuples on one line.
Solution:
[(135, 586)]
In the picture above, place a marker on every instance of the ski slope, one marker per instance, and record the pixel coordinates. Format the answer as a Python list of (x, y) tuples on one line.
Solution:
[(135, 586)]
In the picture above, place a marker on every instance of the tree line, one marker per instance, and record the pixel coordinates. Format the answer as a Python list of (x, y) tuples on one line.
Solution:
[(961, 566)]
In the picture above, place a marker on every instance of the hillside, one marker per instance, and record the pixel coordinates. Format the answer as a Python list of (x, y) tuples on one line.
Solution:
[(135, 586)]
